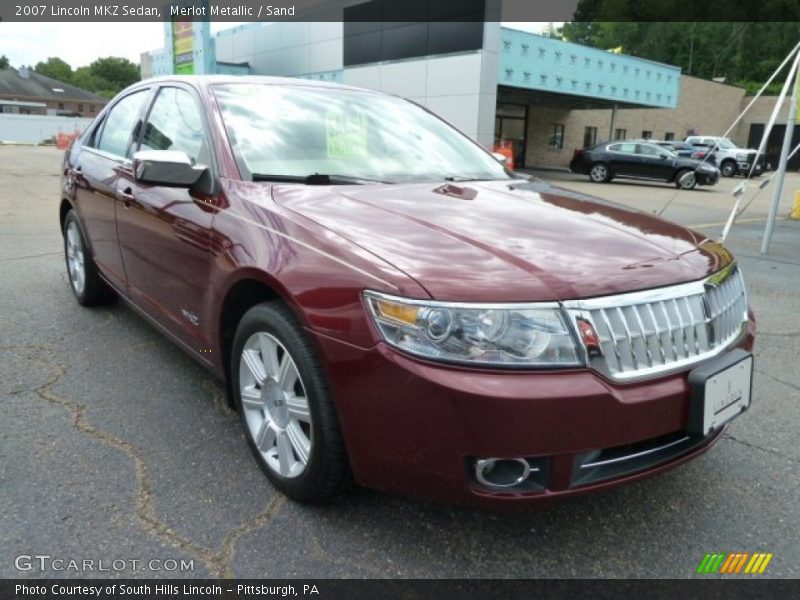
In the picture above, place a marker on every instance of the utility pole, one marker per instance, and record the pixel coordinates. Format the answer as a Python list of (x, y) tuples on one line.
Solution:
[(781, 172), (613, 122)]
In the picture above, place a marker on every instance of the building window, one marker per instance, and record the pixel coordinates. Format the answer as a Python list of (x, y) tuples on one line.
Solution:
[(60, 106), (620, 134), (556, 141), (647, 134), (669, 136), (589, 136), (80, 108), (91, 108)]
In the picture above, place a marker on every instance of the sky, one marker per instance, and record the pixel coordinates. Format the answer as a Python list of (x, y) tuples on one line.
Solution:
[(81, 43)]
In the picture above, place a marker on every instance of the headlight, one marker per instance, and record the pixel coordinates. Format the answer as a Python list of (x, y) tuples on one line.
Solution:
[(477, 334), (742, 157)]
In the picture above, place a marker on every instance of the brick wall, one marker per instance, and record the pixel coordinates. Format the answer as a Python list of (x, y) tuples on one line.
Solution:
[(705, 106), (760, 113)]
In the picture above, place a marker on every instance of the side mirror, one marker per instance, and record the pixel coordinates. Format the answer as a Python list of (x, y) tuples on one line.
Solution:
[(170, 168), (502, 158)]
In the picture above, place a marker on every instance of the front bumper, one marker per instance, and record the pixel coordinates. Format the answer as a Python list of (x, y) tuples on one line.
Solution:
[(707, 178), (416, 428), (744, 167)]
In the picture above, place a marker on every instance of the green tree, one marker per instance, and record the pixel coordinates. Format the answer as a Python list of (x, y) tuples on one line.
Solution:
[(104, 77), (55, 68), (85, 79), (4, 64), (116, 73), (744, 53)]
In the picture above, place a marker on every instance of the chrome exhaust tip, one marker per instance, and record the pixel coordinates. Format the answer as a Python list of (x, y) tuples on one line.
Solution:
[(502, 472)]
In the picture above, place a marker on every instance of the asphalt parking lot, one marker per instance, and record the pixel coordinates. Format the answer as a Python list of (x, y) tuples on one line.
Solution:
[(114, 445)]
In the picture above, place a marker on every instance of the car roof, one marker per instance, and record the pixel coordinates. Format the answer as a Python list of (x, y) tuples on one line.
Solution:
[(202, 81)]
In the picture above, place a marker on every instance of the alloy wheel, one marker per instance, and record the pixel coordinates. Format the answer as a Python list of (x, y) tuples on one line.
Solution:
[(599, 173), (688, 180), (275, 405), (75, 258)]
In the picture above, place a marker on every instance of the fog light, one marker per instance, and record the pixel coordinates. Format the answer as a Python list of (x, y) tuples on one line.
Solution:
[(502, 472)]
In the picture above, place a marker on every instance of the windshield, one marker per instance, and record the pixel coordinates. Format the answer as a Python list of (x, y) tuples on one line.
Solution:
[(297, 131), (726, 144)]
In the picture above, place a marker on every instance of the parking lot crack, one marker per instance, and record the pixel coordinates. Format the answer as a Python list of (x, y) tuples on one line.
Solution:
[(29, 256), (788, 334), (789, 384), (228, 548), (218, 561), (761, 448), (218, 398)]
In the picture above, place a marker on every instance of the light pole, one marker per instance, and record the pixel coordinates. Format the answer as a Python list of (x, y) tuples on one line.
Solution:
[(781, 172)]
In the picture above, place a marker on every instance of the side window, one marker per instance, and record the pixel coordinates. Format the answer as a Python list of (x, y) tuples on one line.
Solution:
[(175, 123), (116, 135), (92, 136), (626, 148), (649, 150)]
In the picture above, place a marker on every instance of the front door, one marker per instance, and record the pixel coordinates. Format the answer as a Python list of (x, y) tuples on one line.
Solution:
[(656, 163), (164, 232), (95, 178), (624, 160)]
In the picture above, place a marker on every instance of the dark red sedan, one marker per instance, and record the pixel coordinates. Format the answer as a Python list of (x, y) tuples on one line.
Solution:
[(383, 298)]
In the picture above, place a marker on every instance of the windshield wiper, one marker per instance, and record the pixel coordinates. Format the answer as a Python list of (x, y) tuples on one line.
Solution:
[(315, 179)]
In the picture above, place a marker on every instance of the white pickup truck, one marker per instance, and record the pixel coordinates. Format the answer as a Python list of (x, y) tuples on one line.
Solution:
[(730, 159)]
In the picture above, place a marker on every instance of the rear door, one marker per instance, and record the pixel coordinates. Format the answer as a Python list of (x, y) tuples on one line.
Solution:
[(624, 160), (95, 172), (164, 232)]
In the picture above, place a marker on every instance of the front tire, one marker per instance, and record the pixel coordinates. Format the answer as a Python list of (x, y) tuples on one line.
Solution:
[(685, 184), (285, 406), (84, 277), (600, 173)]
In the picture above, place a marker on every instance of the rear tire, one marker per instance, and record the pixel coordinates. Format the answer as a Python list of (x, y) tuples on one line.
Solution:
[(285, 405), (599, 173), (84, 277), (690, 184)]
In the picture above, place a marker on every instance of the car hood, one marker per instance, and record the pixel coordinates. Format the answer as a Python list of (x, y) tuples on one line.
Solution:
[(493, 241)]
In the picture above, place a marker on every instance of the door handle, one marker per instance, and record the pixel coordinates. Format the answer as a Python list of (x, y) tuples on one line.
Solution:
[(127, 197)]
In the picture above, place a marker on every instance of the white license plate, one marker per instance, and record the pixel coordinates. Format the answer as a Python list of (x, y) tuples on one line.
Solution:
[(727, 394)]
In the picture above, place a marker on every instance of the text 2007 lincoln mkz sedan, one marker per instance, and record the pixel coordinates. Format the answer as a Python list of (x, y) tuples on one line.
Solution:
[(384, 299)]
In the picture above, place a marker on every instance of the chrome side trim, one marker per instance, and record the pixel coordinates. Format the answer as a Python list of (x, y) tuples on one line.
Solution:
[(619, 459)]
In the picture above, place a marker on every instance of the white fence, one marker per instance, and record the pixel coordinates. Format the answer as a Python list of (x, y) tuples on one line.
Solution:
[(32, 129)]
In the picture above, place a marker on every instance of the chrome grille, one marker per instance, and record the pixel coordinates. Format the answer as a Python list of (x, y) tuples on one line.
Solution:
[(644, 334)]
